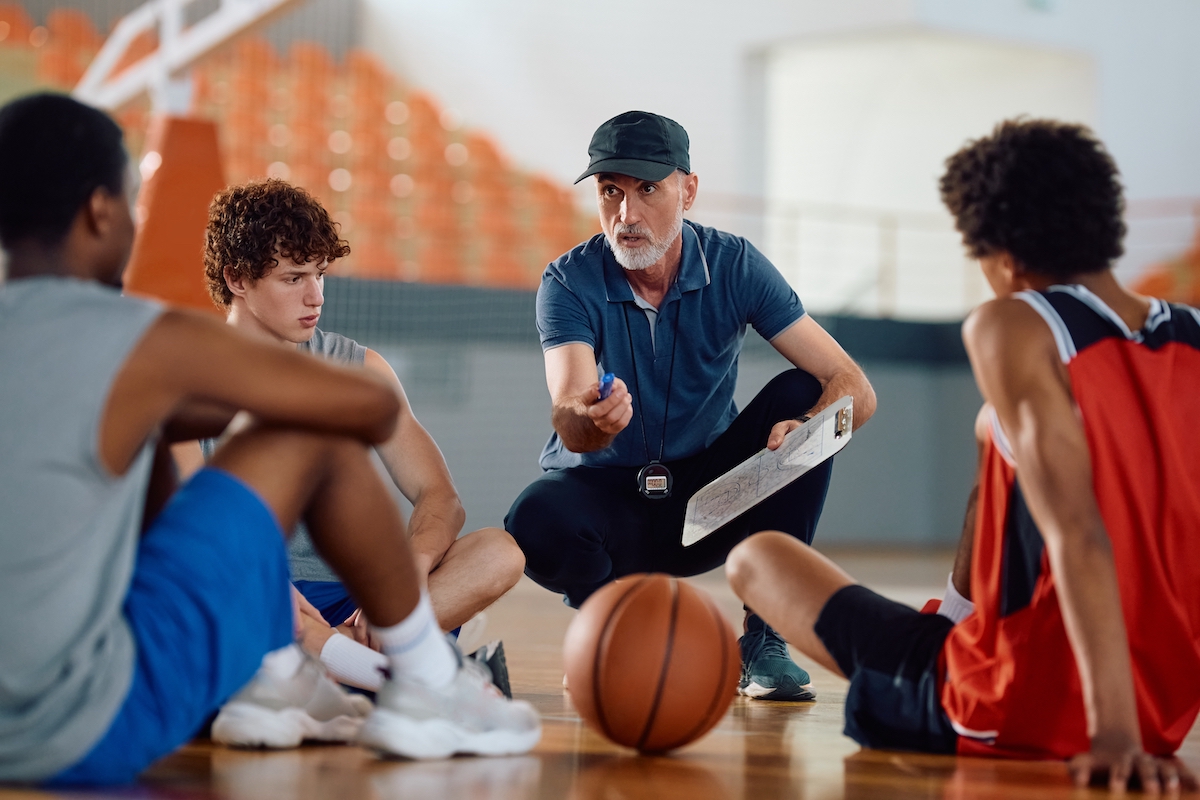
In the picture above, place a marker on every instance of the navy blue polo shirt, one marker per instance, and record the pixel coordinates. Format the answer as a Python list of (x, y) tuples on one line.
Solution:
[(724, 284)]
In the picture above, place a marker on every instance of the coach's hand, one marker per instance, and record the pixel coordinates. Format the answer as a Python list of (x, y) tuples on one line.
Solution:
[(1116, 759), (612, 414), (780, 430)]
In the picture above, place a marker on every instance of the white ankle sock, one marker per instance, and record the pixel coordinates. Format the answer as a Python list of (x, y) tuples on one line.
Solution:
[(955, 607), (417, 649), (284, 663), (352, 663)]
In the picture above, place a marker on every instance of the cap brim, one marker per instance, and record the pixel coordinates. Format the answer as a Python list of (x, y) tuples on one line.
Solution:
[(634, 168)]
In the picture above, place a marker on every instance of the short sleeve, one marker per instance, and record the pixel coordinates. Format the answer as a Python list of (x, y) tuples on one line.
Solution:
[(561, 316), (770, 304)]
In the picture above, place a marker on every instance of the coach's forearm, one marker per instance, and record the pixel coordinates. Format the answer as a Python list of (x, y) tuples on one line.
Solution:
[(853, 383), (576, 429)]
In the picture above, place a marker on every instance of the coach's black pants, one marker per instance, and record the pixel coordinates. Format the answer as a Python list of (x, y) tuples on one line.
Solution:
[(583, 527)]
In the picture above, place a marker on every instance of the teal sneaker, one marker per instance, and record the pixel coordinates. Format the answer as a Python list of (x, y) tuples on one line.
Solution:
[(768, 672)]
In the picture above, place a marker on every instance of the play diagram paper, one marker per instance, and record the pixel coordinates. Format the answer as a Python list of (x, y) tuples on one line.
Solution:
[(768, 471)]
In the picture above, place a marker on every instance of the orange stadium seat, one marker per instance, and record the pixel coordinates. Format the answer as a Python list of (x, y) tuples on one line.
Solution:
[(15, 25), (418, 201)]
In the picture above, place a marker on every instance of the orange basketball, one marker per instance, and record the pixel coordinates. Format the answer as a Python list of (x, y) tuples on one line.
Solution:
[(651, 663)]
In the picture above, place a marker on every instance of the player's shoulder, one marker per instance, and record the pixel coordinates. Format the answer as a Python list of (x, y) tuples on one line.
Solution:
[(1012, 317), (1007, 332)]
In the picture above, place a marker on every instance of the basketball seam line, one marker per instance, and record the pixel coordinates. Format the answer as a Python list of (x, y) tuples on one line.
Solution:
[(720, 621), (666, 665), (601, 647)]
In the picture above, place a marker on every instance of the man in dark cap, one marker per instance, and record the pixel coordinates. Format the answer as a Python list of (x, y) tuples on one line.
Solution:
[(663, 304)]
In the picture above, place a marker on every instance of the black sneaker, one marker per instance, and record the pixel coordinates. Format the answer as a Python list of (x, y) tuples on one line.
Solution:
[(768, 672), (491, 655)]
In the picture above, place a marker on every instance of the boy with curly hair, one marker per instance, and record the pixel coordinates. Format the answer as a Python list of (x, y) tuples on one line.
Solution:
[(1080, 551), (267, 248)]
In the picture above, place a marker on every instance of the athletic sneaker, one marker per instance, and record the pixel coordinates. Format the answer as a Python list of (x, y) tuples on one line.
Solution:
[(470, 716), (768, 672), (279, 713), (491, 655)]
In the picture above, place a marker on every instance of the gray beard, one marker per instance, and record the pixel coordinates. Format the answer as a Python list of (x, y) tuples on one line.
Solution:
[(646, 256)]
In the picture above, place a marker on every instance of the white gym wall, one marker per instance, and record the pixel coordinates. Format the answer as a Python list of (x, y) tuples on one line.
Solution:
[(857, 129)]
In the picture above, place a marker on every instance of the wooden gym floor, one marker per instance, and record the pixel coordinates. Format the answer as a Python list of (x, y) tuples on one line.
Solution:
[(760, 750)]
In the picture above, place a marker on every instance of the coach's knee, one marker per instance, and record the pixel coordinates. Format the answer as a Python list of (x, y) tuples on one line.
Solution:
[(744, 566)]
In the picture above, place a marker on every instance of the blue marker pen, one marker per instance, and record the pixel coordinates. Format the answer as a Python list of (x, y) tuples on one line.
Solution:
[(606, 384)]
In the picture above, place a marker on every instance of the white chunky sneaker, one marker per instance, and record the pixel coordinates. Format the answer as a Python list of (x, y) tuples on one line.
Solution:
[(470, 716), (280, 713)]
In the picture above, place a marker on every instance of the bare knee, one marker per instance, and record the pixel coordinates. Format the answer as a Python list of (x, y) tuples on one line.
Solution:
[(498, 551), (744, 565)]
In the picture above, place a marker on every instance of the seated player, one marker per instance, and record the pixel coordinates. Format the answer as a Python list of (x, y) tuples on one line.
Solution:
[(154, 606), (267, 248), (1084, 641)]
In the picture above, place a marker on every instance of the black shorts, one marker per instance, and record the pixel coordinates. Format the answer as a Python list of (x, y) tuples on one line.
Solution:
[(890, 654)]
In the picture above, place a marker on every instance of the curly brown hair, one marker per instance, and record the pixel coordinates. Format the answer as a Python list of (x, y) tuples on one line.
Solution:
[(249, 225), (1046, 192)]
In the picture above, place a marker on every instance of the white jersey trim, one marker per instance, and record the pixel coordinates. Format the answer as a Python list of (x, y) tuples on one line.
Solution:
[(1062, 336), (1092, 301), (1000, 439), (988, 737)]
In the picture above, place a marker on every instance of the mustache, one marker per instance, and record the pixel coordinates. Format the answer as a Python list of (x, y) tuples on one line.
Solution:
[(632, 230)]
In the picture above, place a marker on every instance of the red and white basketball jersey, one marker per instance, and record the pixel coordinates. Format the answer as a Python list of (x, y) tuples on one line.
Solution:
[(1011, 684)]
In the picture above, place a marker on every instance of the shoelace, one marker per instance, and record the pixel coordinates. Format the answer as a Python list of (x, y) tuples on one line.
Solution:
[(772, 645)]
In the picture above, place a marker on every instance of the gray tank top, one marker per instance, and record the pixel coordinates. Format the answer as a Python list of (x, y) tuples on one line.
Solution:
[(68, 528), (306, 564)]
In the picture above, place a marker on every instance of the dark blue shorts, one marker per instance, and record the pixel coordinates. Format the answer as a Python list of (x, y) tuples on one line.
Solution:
[(330, 598), (890, 654), (209, 599)]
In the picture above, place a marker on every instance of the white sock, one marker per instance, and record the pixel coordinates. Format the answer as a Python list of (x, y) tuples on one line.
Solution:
[(955, 607), (352, 663), (284, 663), (416, 648)]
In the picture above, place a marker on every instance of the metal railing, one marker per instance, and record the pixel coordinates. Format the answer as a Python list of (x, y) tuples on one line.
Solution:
[(905, 264)]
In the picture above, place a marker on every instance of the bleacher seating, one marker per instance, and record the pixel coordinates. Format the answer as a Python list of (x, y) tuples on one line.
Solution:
[(417, 196)]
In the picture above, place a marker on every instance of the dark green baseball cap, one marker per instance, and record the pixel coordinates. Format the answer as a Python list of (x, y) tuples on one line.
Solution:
[(639, 144)]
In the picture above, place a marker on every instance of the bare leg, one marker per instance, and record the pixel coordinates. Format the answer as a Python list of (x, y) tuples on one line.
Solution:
[(961, 575), (787, 583), (475, 572), (355, 525)]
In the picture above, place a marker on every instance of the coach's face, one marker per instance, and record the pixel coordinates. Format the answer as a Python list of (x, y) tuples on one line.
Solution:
[(286, 302), (642, 219)]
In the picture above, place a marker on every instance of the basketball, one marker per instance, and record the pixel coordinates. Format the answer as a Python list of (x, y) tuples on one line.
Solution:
[(651, 663)]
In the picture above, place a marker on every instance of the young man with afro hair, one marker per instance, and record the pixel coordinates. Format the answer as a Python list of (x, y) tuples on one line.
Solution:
[(1073, 631), (267, 248)]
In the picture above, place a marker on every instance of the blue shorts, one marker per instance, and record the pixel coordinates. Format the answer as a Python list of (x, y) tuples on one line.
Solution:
[(209, 599), (330, 598)]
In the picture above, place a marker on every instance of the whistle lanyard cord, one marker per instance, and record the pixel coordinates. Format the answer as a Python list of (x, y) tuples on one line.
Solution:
[(637, 390)]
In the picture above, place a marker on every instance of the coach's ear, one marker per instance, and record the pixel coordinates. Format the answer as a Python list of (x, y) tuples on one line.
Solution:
[(236, 283)]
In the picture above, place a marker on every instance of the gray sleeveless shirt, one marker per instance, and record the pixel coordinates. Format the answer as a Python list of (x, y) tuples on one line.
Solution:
[(68, 528), (306, 564)]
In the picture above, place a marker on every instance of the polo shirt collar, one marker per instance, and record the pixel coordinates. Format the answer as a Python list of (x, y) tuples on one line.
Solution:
[(693, 270)]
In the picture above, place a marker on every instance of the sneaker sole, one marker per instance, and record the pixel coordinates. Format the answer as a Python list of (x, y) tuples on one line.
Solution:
[(755, 691), (397, 736), (249, 725)]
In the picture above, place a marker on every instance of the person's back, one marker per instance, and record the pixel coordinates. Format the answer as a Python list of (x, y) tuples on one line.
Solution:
[(70, 526), (1079, 547), (1017, 689)]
